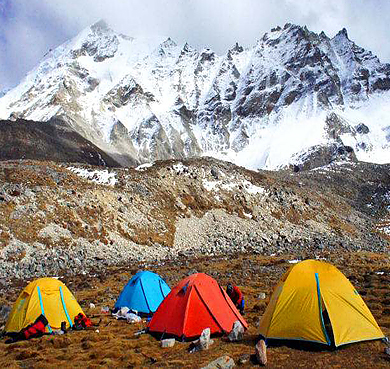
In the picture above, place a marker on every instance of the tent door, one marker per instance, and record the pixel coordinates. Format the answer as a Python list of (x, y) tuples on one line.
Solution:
[(323, 314), (42, 310)]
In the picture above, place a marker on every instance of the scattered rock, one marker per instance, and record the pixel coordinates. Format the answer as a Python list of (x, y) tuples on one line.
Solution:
[(204, 339), (362, 129), (261, 352), (244, 359), (214, 173), (169, 342), (223, 362), (203, 343), (4, 312), (70, 233), (387, 351), (237, 333)]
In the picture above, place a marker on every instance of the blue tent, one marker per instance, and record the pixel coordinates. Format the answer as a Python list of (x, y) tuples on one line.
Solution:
[(144, 293)]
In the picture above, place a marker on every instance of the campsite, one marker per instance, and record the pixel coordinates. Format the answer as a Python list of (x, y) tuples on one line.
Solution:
[(194, 184), (250, 240), (115, 343)]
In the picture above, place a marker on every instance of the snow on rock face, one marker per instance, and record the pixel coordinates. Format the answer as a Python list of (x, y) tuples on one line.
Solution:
[(233, 186), (262, 107), (97, 176)]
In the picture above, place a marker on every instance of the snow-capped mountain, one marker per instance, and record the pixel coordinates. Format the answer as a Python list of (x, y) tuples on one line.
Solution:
[(294, 96)]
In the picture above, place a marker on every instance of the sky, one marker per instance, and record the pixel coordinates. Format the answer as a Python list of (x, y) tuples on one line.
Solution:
[(29, 28)]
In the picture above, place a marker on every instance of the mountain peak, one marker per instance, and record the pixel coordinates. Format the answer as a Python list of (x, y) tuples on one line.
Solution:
[(168, 43), (343, 33), (100, 26), (178, 101)]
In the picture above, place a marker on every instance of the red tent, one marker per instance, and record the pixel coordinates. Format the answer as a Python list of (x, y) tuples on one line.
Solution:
[(196, 303)]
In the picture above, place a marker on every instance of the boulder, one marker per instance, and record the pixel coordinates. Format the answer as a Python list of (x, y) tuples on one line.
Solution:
[(261, 296), (204, 339), (387, 351), (223, 362), (169, 342), (261, 352), (203, 342), (237, 332), (244, 359)]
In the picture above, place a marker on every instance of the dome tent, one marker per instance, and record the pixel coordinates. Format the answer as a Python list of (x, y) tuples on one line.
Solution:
[(143, 293), (47, 296), (312, 294), (196, 303)]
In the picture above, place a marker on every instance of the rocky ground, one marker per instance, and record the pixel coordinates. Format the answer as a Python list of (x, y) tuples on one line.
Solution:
[(64, 219), (113, 344), (95, 227)]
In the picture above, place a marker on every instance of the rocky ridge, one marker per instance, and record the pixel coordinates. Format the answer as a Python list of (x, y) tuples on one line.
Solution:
[(55, 141), (57, 219)]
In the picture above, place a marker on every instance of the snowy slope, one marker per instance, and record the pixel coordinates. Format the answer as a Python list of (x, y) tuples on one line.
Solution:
[(264, 107)]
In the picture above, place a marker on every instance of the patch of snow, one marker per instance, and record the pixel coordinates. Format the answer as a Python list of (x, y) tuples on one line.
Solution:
[(209, 185), (233, 186), (385, 229), (143, 167), (179, 168), (96, 176), (320, 258), (252, 189), (229, 186), (295, 261)]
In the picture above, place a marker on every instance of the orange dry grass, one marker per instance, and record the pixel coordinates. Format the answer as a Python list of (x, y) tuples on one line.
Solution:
[(116, 346)]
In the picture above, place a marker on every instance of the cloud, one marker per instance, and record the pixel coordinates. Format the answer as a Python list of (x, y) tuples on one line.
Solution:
[(29, 28)]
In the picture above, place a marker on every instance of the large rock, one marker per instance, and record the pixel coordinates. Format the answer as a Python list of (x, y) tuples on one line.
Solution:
[(204, 339), (237, 332), (223, 362), (203, 342), (261, 352), (387, 351), (322, 155), (244, 359), (169, 342)]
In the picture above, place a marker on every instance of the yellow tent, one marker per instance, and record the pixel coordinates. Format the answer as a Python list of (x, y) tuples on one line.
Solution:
[(47, 296), (309, 295)]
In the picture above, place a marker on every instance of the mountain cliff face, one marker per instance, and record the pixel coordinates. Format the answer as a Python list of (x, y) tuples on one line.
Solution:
[(296, 98)]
